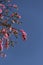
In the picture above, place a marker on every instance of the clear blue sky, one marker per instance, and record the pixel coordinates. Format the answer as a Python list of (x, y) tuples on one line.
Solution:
[(31, 51)]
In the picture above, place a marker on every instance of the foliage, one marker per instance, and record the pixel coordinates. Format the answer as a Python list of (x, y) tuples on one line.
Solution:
[(8, 19)]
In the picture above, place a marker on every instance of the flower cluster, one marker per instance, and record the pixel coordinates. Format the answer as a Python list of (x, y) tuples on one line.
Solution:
[(7, 21)]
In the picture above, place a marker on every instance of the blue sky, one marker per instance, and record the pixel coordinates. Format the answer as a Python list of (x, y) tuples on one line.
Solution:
[(29, 52)]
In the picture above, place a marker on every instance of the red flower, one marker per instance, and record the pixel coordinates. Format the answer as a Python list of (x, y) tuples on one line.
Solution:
[(0, 10), (12, 14), (24, 35), (1, 47), (0, 41), (6, 35), (0, 15), (18, 16), (15, 6), (6, 45), (2, 5), (4, 30)]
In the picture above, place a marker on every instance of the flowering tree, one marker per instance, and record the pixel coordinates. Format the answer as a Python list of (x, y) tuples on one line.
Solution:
[(8, 19)]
